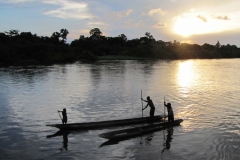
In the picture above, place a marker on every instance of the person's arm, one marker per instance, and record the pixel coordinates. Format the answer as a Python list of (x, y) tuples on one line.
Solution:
[(145, 107), (144, 100), (165, 104), (59, 111)]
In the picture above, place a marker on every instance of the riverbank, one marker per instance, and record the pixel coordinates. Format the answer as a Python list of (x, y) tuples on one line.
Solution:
[(116, 57)]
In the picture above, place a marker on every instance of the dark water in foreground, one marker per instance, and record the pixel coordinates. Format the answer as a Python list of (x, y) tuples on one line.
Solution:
[(205, 93)]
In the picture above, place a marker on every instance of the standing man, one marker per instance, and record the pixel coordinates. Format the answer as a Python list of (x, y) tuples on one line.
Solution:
[(170, 112), (64, 115), (151, 105)]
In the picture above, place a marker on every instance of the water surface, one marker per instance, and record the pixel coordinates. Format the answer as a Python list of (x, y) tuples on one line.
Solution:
[(205, 93)]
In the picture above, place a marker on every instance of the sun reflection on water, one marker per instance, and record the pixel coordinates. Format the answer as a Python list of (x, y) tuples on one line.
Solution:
[(185, 74), (186, 78)]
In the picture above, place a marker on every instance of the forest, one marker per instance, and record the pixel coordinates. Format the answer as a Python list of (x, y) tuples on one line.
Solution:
[(25, 48)]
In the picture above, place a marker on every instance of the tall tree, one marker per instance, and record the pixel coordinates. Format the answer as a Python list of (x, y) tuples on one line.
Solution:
[(61, 37), (82, 37), (148, 35), (56, 36), (95, 33), (147, 38), (218, 45), (63, 34), (13, 32), (123, 36)]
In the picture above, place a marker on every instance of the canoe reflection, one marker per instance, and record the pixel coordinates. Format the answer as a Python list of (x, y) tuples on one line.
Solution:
[(64, 134), (58, 133), (116, 141), (110, 142)]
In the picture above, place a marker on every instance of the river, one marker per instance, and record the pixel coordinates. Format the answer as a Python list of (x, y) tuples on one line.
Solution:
[(204, 93)]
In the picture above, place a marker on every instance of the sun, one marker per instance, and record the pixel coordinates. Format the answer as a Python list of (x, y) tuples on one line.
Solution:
[(190, 23), (187, 26), (182, 27)]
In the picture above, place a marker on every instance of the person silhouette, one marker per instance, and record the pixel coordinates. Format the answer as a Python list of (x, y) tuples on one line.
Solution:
[(65, 142), (151, 105), (64, 115), (170, 112)]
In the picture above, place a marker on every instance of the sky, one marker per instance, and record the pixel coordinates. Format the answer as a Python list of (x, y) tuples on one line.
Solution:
[(186, 21)]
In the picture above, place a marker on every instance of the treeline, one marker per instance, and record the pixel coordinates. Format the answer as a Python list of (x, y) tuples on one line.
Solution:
[(28, 48)]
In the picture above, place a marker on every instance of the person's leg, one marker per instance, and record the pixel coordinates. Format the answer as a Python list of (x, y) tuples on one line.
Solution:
[(152, 112), (65, 120), (169, 118)]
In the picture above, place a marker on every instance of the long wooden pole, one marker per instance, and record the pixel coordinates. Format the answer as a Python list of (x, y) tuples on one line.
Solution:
[(60, 116), (142, 103), (164, 108)]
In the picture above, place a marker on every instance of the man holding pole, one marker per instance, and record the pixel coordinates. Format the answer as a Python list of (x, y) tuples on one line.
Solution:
[(170, 111), (64, 115), (151, 105)]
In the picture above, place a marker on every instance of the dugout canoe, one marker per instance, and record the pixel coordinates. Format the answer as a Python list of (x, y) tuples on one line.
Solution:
[(132, 132), (104, 124)]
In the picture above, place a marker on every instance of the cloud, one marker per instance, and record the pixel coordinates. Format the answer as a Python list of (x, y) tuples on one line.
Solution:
[(222, 17), (122, 14), (159, 25), (68, 9), (118, 19), (153, 11), (204, 19), (128, 12), (96, 24), (16, 1)]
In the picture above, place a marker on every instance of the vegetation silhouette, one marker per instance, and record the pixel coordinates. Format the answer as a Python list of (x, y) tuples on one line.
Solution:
[(25, 48)]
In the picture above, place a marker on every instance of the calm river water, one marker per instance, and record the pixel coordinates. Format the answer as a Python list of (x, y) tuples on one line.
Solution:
[(205, 93)]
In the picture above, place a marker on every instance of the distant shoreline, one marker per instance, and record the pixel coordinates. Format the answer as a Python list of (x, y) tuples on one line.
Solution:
[(25, 48), (117, 57), (112, 57)]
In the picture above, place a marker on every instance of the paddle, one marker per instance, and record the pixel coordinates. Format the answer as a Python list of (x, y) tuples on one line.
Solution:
[(60, 116), (164, 129), (164, 108), (142, 115), (142, 103)]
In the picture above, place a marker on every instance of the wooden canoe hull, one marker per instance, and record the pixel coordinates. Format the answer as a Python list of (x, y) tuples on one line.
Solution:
[(103, 124), (126, 133)]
